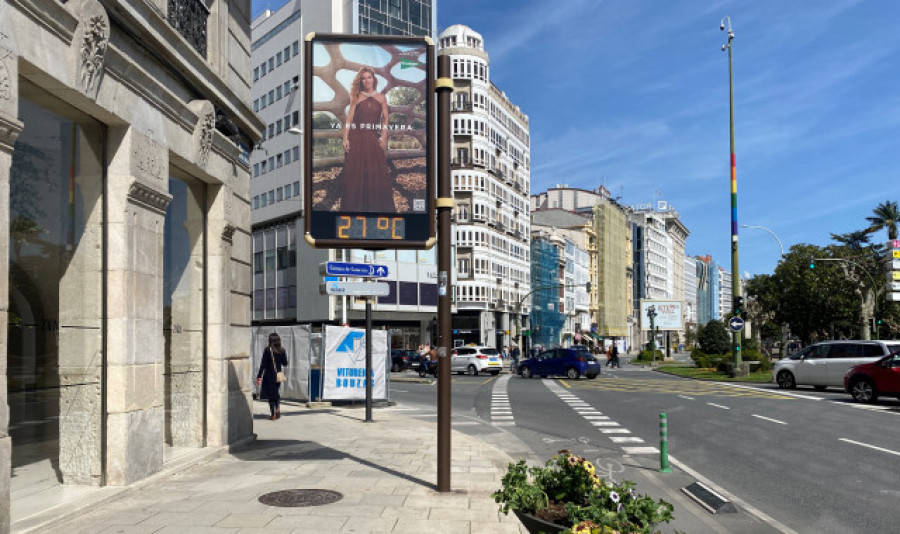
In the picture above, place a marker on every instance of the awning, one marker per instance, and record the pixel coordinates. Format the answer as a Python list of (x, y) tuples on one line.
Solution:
[(595, 336)]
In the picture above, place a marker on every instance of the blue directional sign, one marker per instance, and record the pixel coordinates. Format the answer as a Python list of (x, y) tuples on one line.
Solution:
[(736, 324), (364, 270)]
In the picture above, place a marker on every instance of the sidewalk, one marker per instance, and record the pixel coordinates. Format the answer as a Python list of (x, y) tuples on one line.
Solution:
[(386, 472)]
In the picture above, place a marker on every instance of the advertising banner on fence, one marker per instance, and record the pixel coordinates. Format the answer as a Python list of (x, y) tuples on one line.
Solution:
[(368, 141), (345, 364), (669, 314)]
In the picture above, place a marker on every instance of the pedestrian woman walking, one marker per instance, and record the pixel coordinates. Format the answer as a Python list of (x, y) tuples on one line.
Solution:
[(270, 375)]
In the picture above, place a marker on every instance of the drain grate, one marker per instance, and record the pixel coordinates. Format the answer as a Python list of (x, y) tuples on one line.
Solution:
[(300, 497)]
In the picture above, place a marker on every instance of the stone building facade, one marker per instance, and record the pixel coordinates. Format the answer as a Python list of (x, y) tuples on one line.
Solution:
[(124, 209)]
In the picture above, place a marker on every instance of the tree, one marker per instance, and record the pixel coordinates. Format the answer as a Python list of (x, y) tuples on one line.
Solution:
[(714, 339), (886, 215)]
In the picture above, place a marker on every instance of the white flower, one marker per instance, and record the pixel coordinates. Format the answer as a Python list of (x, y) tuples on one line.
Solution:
[(614, 497)]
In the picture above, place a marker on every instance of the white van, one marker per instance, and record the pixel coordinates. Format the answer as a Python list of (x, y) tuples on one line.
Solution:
[(824, 364)]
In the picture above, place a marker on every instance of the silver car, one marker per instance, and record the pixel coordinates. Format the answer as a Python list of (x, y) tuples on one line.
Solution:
[(824, 364), (474, 360)]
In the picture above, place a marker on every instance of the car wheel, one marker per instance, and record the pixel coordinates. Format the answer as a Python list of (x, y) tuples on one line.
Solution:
[(472, 370), (786, 380), (525, 372), (820, 388), (572, 373), (395, 368), (862, 390), (591, 377)]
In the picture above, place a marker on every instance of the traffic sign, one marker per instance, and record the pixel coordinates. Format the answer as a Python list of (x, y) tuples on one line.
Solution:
[(364, 270), (736, 324), (356, 289)]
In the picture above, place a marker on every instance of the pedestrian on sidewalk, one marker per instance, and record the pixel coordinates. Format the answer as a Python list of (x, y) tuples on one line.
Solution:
[(609, 356), (615, 355), (274, 360)]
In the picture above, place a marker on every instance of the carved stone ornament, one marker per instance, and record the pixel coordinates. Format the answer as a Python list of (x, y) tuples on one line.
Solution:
[(203, 130), (5, 82), (228, 233), (92, 39), (149, 198)]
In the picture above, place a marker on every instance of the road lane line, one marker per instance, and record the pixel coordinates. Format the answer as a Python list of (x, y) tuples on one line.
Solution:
[(743, 504), (770, 391), (604, 423), (718, 406), (686, 397), (640, 450), (625, 439), (861, 444), (563, 383), (592, 417), (768, 419), (615, 431)]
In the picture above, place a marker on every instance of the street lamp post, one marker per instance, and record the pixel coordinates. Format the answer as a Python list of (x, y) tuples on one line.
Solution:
[(783, 348), (651, 314), (526, 295), (735, 269), (780, 247)]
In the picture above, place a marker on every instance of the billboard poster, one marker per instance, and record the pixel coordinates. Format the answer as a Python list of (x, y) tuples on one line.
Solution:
[(669, 314), (344, 371), (368, 146)]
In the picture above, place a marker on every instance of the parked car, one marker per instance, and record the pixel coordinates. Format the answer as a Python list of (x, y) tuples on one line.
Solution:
[(401, 360), (474, 360), (866, 382), (825, 363), (570, 362)]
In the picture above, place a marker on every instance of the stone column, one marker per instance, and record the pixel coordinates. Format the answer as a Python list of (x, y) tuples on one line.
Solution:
[(229, 417), (137, 198), (10, 128)]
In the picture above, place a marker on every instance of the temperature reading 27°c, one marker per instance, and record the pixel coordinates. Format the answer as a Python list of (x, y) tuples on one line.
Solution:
[(361, 227)]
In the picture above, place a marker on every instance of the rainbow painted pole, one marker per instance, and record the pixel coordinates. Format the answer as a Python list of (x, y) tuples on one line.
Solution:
[(735, 269)]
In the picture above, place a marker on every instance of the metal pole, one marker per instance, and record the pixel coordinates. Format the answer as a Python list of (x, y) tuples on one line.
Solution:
[(663, 444), (444, 87), (369, 376), (735, 269)]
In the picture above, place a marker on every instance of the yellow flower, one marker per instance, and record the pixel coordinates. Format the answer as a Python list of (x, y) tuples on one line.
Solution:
[(588, 466)]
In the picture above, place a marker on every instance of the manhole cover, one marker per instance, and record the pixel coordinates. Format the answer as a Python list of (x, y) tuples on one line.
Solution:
[(300, 497)]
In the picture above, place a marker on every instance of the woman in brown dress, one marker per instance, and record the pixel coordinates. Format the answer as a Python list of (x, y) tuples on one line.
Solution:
[(367, 178)]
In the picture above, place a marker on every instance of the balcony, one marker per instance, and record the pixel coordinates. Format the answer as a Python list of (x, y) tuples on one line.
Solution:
[(189, 17), (461, 106)]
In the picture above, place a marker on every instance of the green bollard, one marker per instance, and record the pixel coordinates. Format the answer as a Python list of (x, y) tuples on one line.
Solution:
[(663, 444)]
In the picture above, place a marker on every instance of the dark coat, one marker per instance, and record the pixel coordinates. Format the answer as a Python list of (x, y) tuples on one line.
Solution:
[(267, 370)]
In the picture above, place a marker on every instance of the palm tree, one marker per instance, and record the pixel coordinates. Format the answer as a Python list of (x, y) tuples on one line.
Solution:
[(886, 215)]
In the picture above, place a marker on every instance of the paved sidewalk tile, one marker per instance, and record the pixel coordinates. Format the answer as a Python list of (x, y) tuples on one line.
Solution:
[(385, 472)]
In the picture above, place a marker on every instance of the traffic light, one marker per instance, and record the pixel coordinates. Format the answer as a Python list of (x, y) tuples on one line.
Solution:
[(812, 263), (738, 306)]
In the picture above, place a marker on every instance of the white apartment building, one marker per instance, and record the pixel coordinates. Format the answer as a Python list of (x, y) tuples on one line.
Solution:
[(491, 184), (690, 290), (286, 270), (725, 294)]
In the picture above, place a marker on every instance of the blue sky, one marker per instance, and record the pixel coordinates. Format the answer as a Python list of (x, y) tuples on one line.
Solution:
[(633, 95)]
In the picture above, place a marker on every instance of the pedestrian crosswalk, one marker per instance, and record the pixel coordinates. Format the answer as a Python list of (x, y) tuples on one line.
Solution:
[(501, 411), (612, 430)]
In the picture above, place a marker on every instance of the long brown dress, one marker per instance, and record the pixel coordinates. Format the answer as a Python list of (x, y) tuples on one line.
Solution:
[(367, 179)]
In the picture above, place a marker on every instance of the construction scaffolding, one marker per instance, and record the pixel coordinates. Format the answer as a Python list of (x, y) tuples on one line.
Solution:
[(547, 317)]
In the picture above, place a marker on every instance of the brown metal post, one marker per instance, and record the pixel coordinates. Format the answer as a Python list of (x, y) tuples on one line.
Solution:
[(444, 88)]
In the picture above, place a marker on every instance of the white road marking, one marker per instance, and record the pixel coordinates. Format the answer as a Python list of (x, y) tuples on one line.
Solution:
[(501, 410), (604, 423), (640, 450), (686, 397), (593, 417), (861, 444), (718, 406), (765, 518), (772, 391), (768, 419), (615, 431), (625, 439)]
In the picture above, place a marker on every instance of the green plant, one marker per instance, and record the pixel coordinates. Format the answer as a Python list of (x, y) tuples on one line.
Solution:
[(568, 491), (715, 339), (647, 356), (765, 363)]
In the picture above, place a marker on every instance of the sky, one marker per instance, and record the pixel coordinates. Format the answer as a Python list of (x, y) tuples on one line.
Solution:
[(633, 95)]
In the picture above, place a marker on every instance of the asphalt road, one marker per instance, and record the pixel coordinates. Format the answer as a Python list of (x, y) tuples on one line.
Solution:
[(801, 461)]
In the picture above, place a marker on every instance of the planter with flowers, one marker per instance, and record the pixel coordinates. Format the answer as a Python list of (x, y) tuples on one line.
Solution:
[(566, 495)]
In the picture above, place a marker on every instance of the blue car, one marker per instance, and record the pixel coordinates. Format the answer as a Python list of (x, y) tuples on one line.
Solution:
[(571, 362)]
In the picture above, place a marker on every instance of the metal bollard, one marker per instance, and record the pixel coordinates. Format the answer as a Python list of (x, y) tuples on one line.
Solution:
[(663, 444)]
